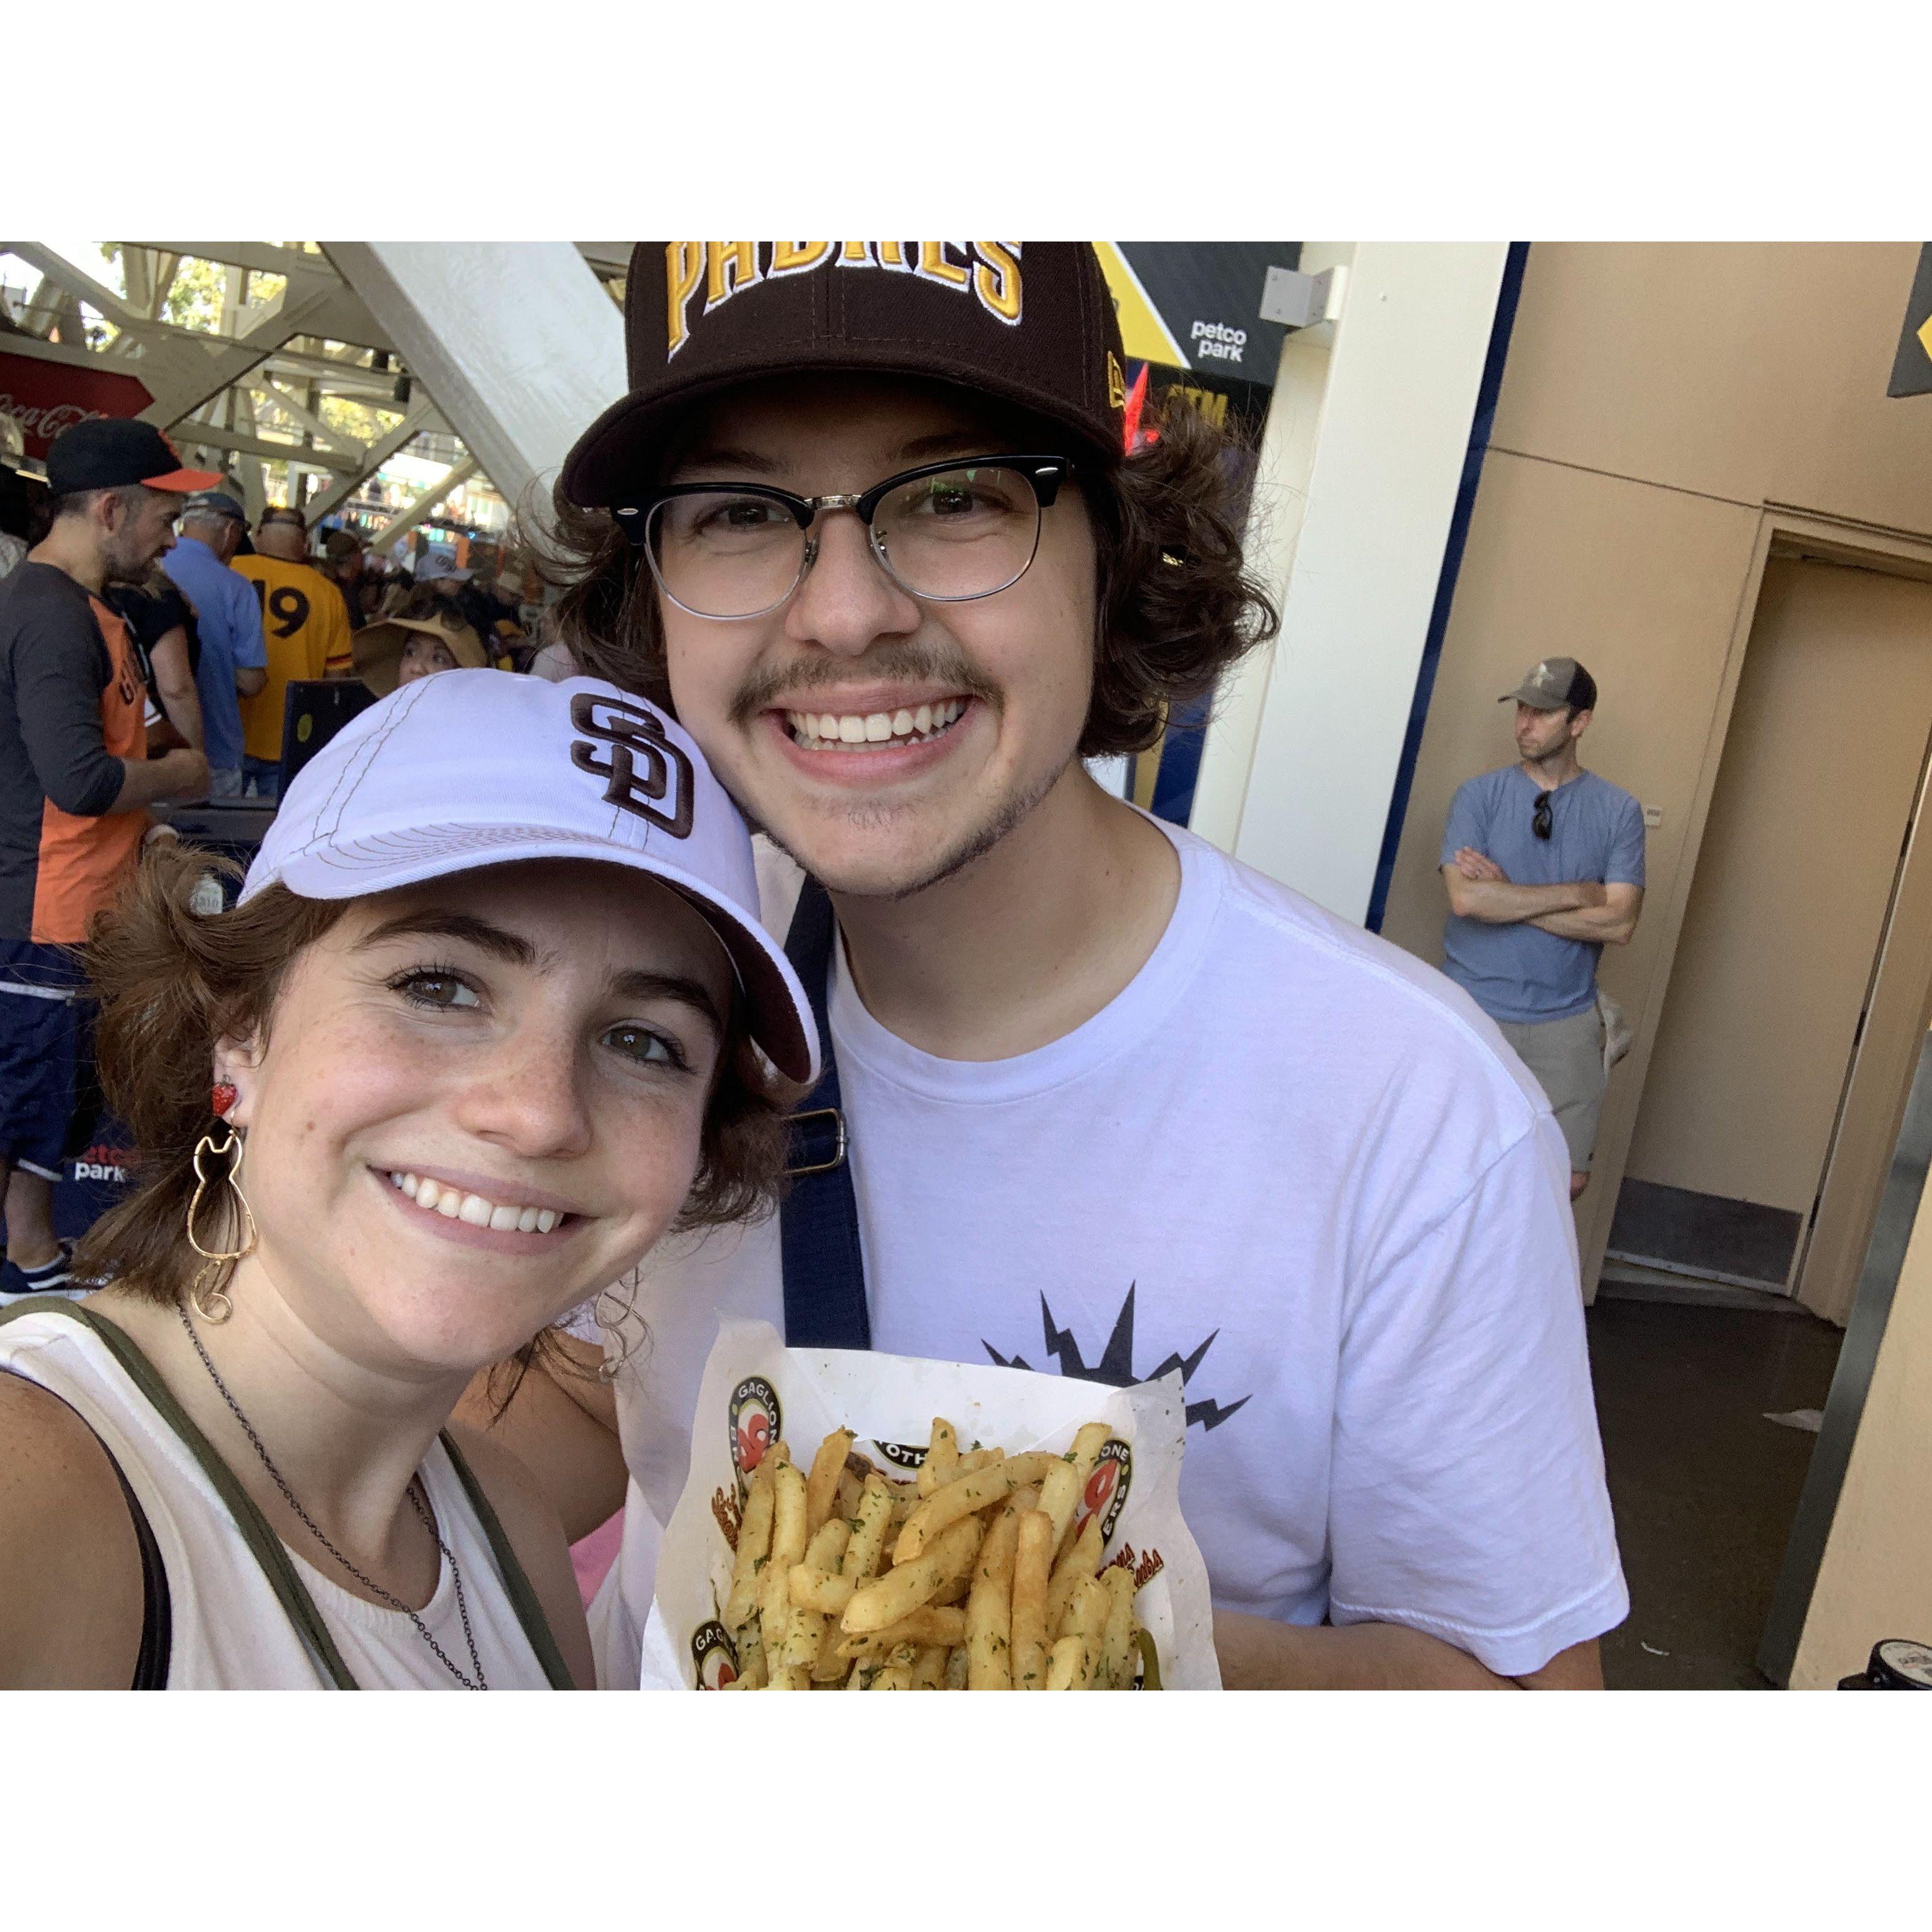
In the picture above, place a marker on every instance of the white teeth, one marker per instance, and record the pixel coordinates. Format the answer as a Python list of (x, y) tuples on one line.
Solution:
[(821, 731), (455, 1205)]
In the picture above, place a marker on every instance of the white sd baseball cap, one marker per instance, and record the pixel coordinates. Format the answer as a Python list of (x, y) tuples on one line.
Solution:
[(474, 768)]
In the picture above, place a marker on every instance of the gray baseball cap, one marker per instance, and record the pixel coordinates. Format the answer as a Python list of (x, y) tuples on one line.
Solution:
[(1553, 683), (215, 503)]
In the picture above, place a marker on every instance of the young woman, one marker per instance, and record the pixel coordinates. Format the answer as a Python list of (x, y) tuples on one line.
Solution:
[(492, 1013), (414, 644)]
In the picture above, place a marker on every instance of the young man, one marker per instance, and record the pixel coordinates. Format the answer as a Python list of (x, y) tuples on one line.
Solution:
[(305, 633), (75, 783), (1544, 864), (1116, 1106), (234, 661)]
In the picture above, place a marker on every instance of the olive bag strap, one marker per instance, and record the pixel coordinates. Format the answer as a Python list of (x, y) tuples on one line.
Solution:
[(264, 1545), (523, 1598)]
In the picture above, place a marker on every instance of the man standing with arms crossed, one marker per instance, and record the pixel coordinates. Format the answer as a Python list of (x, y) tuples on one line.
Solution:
[(1544, 864), (75, 783), (1115, 1105)]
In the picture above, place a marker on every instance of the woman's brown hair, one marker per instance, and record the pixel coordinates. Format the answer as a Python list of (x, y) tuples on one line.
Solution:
[(1176, 605), (172, 983)]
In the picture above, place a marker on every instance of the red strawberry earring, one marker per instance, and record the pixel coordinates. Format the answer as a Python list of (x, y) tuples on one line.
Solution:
[(223, 1097)]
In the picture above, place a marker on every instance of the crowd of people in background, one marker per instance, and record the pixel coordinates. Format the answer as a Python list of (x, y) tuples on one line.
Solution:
[(149, 634)]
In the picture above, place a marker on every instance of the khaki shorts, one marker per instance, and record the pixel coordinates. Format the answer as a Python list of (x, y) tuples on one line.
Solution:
[(1566, 1057)]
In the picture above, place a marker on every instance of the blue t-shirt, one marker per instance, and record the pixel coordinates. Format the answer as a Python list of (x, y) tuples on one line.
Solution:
[(1520, 972), (229, 622)]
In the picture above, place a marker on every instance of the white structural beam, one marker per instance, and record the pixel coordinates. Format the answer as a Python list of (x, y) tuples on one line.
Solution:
[(1383, 445), (517, 342), (243, 443), (421, 418), (299, 412), (400, 525), (264, 257)]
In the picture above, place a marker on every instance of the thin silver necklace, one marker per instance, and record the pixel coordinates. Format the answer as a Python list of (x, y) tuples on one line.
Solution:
[(419, 1502)]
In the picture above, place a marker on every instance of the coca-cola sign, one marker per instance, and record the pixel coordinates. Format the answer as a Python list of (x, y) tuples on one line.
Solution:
[(46, 397)]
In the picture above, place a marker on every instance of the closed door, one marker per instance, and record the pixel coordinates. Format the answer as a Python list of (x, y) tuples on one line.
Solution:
[(1815, 795)]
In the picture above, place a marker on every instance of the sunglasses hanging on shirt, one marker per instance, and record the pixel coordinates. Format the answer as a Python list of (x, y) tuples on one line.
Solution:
[(1539, 818)]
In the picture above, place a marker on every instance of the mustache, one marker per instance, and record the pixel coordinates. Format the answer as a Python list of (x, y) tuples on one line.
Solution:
[(912, 662)]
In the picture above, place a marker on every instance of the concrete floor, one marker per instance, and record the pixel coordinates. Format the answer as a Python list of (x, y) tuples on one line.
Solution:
[(1704, 1488)]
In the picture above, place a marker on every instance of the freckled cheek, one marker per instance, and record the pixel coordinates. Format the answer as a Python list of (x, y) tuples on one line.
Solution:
[(655, 1152), (333, 1083)]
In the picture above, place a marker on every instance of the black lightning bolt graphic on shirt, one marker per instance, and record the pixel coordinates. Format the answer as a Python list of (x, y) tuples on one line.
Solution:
[(1116, 1365)]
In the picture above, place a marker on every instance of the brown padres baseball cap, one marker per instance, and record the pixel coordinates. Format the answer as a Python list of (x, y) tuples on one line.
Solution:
[(1030, 323)]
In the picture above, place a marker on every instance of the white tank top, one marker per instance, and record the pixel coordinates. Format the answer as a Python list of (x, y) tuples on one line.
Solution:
[(231, 1628)]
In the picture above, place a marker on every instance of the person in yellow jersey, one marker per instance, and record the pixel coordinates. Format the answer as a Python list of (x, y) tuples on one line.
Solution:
[(305, 628)]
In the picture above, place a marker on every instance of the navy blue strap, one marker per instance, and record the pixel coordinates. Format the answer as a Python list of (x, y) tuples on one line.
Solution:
[(818, 1230)]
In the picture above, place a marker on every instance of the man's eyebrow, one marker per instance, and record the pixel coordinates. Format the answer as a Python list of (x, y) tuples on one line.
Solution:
[(723, 456), (640, 985), (495, 939), (951, 442)]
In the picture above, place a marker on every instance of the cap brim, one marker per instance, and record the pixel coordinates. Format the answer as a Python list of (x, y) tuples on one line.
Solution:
[(1537, 700), (612, 459), (779, 1010), (184, 482)]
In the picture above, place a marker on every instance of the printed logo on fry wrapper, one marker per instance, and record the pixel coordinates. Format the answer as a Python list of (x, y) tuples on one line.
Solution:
[(757, 1421), (1106, 1492), (903, 1455), (712, 1653)]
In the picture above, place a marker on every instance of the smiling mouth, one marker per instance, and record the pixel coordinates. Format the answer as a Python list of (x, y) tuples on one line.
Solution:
[(872, 730), (436, 1197)]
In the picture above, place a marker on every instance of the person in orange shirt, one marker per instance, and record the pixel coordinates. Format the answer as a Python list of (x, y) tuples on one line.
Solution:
[(305, 626), (76, 782)]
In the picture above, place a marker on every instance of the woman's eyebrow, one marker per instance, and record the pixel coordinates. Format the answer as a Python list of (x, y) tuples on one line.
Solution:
[(497, 940), (640, 985)]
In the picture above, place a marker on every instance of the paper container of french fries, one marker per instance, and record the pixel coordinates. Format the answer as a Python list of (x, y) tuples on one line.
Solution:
[(866, 1521)]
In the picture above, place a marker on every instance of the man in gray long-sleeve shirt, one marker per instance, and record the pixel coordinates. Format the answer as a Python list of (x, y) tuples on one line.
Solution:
[(75, 783)]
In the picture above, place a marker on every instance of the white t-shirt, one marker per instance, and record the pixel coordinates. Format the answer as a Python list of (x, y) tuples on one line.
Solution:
[(1289, 1158)]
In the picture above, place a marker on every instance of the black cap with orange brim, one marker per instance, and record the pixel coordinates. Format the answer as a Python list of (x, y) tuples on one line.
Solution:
[(111, 453)]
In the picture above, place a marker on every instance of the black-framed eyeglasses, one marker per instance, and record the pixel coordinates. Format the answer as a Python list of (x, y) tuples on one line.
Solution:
[(1540, 815), (946, 532)]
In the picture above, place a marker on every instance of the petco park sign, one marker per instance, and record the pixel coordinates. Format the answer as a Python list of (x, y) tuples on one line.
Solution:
[(46, 397)]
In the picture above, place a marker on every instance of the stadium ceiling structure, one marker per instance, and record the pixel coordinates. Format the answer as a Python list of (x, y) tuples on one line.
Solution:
[(288, 362)]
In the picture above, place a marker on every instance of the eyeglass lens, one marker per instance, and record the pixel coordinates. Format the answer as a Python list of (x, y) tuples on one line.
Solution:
[(1539, 818), (964, 533)]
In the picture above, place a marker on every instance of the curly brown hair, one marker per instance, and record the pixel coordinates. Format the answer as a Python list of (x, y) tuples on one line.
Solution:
[(1176, 605), (172, 982)]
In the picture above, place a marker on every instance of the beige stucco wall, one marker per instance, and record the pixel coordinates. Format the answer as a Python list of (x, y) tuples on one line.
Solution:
[(1659, 402), (1876, 1580)]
